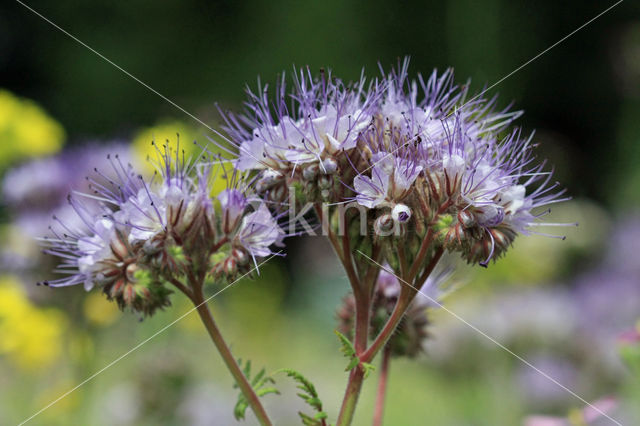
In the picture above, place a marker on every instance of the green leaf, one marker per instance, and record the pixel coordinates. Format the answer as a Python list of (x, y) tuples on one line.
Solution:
[(308, 395), (368, 368), (258, 383), (350, 352), (347, 347)]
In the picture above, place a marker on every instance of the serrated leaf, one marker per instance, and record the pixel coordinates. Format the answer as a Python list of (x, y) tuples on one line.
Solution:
[(258, 377), (240, 409), (257, 383), (347, 347), (368, 368), (352, 364), (350, 352), (309, 396)]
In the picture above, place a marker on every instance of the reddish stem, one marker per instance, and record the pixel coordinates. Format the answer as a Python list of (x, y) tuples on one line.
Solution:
[(378, 414), (228, 358), (407, 293)]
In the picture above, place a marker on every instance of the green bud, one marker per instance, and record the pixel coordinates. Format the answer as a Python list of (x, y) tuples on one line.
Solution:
[(176, 253)]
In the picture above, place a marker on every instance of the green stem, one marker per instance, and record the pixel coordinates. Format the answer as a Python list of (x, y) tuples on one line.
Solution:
[(348, 408), (227, 356)]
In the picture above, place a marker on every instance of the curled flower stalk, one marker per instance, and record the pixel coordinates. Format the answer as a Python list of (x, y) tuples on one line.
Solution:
[(399, 172), (141, 239)]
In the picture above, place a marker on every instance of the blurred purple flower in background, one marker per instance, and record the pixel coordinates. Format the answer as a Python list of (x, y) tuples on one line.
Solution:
[(35, 190)]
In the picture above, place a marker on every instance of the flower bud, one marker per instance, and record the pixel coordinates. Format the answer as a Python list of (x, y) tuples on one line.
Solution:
[(137, 289), (119, 245), (310, 172), (278, 193), (267, 179), (329, 166), (240, 256), (230, 267), (465, 217), (130, 271), (151, 247), (383, 226), (401, 213), (325, 182)]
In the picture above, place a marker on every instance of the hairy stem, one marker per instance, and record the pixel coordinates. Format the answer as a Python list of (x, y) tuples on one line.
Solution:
[(378, 414), (405, 298), (348, 408), (407, 294), (227, 356), (356, 376)]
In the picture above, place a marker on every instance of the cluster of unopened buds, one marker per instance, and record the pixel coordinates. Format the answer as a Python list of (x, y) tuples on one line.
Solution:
[(396, 171)]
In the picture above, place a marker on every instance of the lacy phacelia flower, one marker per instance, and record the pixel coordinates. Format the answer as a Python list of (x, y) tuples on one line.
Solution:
[(416, 155), (138, 236), (306, 141), (411, 334), (259, 230)]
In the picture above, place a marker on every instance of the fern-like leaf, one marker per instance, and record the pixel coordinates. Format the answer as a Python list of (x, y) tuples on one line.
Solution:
[(259, 383), (310, 396), (350, 352)]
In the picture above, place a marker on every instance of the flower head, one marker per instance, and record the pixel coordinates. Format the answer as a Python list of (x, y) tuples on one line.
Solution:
[(302, 135), (417, 153), (134, 236)]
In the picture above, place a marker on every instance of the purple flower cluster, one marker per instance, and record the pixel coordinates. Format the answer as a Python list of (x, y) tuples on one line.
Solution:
[(136, 234), (419, 154)]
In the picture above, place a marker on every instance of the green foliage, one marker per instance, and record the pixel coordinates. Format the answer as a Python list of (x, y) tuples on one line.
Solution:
[(350, 352), (310, 396), (261, 385)]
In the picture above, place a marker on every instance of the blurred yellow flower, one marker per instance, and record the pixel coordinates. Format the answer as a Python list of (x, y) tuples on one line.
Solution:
[(26, 130), (98, 310), (161, 133), (31, 336), (169, 131)]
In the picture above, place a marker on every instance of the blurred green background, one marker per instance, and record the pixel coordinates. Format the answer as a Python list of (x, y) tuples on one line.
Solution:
[(562, 305)]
